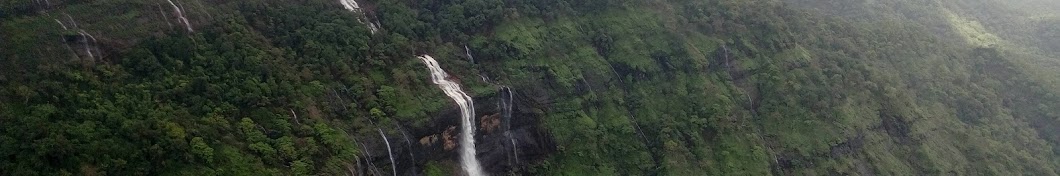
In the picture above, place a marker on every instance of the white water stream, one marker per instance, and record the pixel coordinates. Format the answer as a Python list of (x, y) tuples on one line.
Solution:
[(468, 52), (506, 108), (84, 41), (409, 143), (61, 24), (389, 152), (467, 111), (180, 15), (352, 6)]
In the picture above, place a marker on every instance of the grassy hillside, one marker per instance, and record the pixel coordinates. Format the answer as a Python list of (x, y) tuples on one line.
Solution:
[(661, 87)]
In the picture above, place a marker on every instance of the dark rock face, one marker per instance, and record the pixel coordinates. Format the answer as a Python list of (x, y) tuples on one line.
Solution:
[(507, 146), (506, 141)]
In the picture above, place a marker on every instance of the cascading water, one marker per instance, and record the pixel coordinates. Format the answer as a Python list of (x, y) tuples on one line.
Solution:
[(352, 6), (164, 17), (367, 154), (506, 111), (61, 24), (390, 153), (468, 52), (467, 111), (90, 36), (67, 45), (373, 26), (180, 15), (84, 41), (88, 47), (44, 3), (507, 107), (409, 143)]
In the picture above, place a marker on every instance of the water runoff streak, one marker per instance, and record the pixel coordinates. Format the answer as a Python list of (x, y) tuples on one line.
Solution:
[(389, 152), (180, 15), (352, 6), (506, 109), (467, 111)]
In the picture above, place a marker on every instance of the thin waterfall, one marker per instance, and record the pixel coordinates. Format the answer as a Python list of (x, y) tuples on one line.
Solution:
[(64, 40), (468, 52), (84, 41), (90, 36), (467, 112), (368, 155), (360, 171), (409, 142), (373, 26), (180, 15), (207, 12), (390, 153), (506, 110), (88, 47), (184, 18), (352, 6), (182, 12), (61, 24), (71, 20), (164, 17), (515, 150)]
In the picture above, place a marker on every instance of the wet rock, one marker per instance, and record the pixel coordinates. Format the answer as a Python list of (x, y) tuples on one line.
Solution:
[(505, 144)]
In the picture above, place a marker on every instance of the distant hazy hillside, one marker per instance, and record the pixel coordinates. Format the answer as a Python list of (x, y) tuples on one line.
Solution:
[(587, 87)]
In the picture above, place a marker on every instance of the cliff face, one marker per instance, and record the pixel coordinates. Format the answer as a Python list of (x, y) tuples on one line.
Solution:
[(506, 143), (597, 87)]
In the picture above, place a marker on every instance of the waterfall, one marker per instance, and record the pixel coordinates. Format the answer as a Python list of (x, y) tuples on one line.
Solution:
[(164, 17), (390, 153), (61, 24), (71, 20), (468, 52), (180, 15), (467, 112), (45, 3), (63, 39), (352, 6), (515, 151), (506, 110), (374, 27), (409, 142), (84, 41), (88, 47), (184, 18), (368, 155), (89, 36)]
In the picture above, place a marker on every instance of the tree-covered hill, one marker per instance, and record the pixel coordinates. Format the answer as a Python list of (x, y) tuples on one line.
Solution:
[(589, 87)]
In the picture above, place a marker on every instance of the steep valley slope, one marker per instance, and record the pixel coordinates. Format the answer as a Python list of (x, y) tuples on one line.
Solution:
[(588, 87)]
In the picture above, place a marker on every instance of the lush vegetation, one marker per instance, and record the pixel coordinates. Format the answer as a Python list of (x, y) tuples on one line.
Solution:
[(667, 87)]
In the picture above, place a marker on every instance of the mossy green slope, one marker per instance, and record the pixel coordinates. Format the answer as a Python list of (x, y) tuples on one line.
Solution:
[(667, 87)]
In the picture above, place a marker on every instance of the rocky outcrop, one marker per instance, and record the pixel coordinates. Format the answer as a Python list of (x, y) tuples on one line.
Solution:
[(504, 144)]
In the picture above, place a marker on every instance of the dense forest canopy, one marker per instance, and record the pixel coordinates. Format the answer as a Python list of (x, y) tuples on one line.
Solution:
[(584, 87)]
